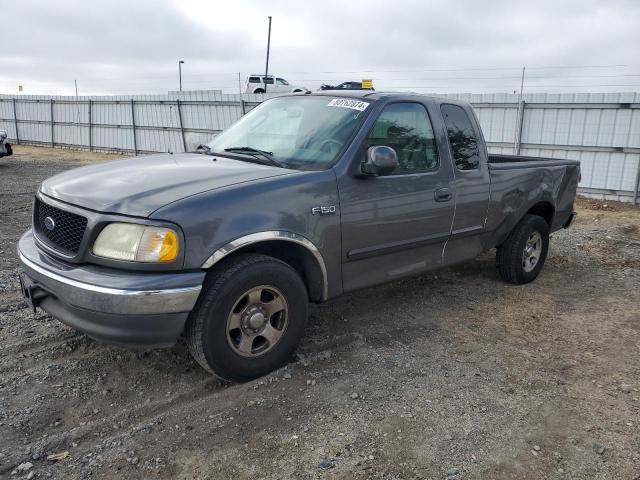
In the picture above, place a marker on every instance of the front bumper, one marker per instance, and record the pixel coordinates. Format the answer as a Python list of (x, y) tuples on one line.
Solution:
[(114, 306)]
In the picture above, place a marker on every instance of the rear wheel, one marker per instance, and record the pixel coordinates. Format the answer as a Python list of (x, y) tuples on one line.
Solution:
[(259, 90), (249, 318), (522, 255)]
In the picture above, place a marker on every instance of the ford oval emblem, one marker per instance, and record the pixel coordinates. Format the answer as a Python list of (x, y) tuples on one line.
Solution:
[(49, 223)]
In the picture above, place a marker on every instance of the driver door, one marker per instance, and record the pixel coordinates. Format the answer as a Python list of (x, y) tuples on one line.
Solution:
[(397, 225)]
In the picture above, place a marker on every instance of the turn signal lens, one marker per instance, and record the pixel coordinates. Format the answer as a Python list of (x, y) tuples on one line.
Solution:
[(137, 243), (157, 245)]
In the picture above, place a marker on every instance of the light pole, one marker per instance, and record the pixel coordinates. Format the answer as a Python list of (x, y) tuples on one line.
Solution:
[(266, 69), (180, 62)]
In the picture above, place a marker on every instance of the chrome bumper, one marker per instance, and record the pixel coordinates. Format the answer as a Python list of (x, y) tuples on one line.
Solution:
[(109, 291), (112, 300), (115, 306)]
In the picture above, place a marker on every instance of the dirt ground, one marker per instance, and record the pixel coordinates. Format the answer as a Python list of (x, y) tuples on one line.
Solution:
[(452, 374)]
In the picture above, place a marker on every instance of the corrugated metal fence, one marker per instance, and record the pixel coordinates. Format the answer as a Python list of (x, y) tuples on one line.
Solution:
[(602, 130), (132, 124)]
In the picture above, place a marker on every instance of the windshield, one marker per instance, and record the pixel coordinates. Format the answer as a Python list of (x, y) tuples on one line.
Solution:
[(304, 133)]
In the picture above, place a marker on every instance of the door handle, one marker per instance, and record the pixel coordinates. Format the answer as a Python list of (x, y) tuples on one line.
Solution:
[(443, 195)]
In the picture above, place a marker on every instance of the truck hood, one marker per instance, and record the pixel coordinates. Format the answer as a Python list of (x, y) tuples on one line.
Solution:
[(139, 186)]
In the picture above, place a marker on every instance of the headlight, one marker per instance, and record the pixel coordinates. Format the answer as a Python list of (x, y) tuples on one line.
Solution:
[(137, 243)]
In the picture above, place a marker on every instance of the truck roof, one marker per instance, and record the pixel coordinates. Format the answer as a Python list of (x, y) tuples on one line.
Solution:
[(378, 95)]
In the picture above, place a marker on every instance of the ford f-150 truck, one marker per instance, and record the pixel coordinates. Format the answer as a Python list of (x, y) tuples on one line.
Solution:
[(306, 197)]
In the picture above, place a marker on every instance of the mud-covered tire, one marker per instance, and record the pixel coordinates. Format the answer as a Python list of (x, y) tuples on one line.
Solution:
[(510, 256), (208, 331)]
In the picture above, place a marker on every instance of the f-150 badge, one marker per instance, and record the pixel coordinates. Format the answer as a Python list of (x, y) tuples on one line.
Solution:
[(327, 210)]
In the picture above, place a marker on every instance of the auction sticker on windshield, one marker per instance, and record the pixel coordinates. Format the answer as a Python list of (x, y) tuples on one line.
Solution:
[(347, 103)]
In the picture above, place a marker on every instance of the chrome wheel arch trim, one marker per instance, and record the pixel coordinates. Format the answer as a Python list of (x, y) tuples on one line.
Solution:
[(259, 237)]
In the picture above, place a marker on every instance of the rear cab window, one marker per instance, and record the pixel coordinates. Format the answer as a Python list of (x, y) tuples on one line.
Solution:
[(254, 79), (462, 136)]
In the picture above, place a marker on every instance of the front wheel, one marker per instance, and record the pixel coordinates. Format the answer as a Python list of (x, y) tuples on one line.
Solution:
[(522, 255), (249, 319)]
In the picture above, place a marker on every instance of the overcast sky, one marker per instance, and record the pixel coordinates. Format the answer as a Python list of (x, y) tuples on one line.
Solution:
[(132, 46)]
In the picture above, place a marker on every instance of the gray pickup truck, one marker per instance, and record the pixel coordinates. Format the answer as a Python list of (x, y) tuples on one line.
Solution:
[(306, 197)]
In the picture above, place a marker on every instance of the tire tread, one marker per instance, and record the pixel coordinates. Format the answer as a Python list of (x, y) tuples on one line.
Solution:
[(216, 279), (509, 254)]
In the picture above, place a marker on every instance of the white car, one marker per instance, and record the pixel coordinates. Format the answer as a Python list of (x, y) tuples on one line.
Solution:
[(255, 84), (5, 147)]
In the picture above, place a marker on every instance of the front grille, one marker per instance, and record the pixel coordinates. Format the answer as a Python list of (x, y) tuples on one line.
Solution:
[(67, 232)]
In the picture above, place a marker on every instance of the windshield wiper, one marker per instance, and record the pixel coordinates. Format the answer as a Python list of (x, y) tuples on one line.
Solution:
[(262, 156)]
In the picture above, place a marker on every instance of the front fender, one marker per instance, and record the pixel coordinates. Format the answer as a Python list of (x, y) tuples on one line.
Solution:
[(215, 219)]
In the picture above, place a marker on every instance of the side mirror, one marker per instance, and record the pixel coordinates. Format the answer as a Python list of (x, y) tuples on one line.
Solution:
[(193, 139), (381, 161)]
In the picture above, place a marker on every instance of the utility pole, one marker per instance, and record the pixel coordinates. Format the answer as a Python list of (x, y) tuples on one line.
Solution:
[(240, 92), (78, 129), (517, 134), (266, 70), (522, 83), (180, 62)]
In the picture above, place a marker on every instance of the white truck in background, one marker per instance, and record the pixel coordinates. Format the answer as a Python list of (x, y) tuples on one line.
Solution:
[(256, 84)]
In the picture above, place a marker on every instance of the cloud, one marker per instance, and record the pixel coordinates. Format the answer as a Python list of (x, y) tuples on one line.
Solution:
[(133, 46)]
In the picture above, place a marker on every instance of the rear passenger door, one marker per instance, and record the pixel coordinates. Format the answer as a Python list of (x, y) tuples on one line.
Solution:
[(397, 225), (471, 184)]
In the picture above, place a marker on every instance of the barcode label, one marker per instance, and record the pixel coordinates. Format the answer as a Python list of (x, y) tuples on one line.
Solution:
[(348, 103)]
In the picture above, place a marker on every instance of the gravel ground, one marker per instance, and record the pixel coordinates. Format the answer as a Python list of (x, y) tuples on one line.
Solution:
[(452, 374)]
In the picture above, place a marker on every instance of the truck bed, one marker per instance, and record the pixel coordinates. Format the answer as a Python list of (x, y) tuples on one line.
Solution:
[(518, 182)]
